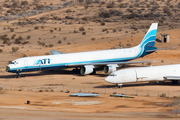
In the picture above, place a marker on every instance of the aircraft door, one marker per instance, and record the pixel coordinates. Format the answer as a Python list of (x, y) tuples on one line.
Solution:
[(26, 63)]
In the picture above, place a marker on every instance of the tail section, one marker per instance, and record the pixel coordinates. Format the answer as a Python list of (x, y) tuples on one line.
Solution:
[(148, 42)]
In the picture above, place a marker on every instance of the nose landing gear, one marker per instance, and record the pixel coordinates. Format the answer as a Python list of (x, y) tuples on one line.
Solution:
[(18, 75)]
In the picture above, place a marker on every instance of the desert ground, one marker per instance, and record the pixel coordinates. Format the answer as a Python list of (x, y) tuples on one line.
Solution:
[(34, 27)]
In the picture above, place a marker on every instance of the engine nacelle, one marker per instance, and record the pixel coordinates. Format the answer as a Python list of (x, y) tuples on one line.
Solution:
[(87, 69), (110, 68)]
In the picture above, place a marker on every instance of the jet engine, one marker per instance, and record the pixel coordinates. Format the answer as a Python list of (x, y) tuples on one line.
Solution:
[(86, 69), (110, 68)]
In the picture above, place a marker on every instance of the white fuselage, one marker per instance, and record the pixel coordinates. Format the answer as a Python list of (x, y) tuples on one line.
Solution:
[(156, 73), (73, 59)]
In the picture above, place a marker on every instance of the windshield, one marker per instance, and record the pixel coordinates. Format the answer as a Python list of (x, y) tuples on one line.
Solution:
[(112, 74), (14, 62)]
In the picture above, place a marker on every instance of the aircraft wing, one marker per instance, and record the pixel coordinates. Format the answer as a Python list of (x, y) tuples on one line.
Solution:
[(107, 63), (54, 52), (172, 77)]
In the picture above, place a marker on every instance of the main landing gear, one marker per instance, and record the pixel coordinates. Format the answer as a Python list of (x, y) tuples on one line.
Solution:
[(174, 81), (119, 85), (18, 75)]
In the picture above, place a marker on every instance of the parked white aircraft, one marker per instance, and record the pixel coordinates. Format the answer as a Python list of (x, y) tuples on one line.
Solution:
[(88, 61), (156, 73)]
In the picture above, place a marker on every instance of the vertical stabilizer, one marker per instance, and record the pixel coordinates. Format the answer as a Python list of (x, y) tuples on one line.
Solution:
[(150, 36), (148, 42)]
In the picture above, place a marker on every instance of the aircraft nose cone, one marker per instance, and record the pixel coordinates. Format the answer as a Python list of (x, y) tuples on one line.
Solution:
[(107, 79), (7, 68)]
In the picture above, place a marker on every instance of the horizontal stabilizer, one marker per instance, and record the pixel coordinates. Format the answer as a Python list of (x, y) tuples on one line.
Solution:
[(159, 49), (54, 52), (172, 77)]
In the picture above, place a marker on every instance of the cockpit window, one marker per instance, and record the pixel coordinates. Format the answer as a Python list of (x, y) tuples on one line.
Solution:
[(14, 62), (113, 75)]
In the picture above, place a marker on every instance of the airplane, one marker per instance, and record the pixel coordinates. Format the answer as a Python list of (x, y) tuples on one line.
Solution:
[(88, 62), (142, 74)]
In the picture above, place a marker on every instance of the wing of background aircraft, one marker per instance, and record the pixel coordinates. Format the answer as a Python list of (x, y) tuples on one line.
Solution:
[(172, 78), (54, 52)]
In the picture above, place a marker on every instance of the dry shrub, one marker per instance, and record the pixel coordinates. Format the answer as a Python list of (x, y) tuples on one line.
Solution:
[(134, 27), (4, 37), (24, 3), (68, 10), (96, 1), (149, 63), (64, 38), (47, 53), (13, 36), (103, 2), (41, 43), (104, 14), (51, 31), (24, 55), (69, 17), (14, 49), (59, 42), (89, 1), (1, 50), (84, 18), (81, 29), (25, 42), (20, 37), (119, 0), (83, 33), (51, 45), (41, 90), (17, 41), (163, 95), (86, 6), (28, 37), (11, 29), (110, 5), (93, 38), (68, 43), (80, 1), (102, 23), (5, 41), (75, 31), (114, 30), (59, 29), (128, 44), (123, 5), (103, 30), (167, 11), (36, 27)]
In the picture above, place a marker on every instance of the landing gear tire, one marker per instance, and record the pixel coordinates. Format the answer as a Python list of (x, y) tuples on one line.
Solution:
[(75, 70), (174, 81)]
